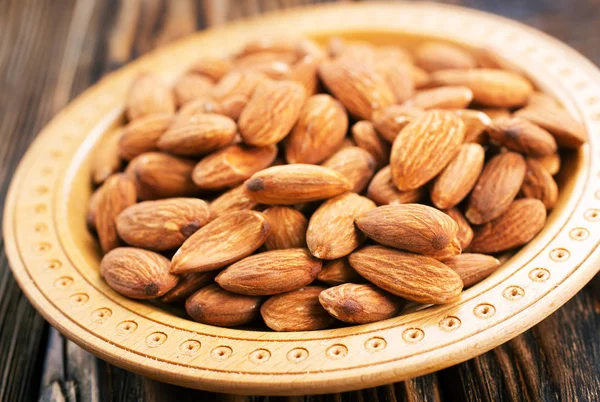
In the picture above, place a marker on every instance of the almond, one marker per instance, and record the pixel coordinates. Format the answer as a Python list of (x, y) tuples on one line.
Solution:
[(398, 76), (229, 167), (458, 178), (319, 131), (294, 184), (355, 164), (493, 57), (214, 68), (496, 188), (496, 113), (191, 86), (472, 268), (141, 136), (520, 223), (550, 162), (203, 104), (413, 227), (411, 276), (223, 241), (298, 310), (492, 88), (235, 199), (307, 47), (158, 175), (359, 304), (424, 147), (198, 134), (272, 65), (116, 194), (420, 77), (234, 90), (271, 272), (451, 250), (434, 56), (357, 85), (268, 44), (540, 99), (288, 228), (465, 232), (365, 136), (521, 135), (383, 191), (271, 112), (539, 184), (393, 54), (476, 124), (337, 272), (137, 273), (162, 225), (188, 284), (305, 72), (106, 160), (331, 231), (214, 306), (390, 120), (90, 217), (446, 97), (149, 95)]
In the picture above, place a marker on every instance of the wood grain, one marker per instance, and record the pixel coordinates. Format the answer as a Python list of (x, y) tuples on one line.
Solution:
[(52, 51)]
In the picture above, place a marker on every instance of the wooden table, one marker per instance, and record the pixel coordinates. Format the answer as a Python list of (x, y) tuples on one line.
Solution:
[(52, 50)]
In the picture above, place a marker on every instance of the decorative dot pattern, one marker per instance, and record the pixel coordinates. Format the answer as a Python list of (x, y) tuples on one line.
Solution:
[(449, 323), (221, 352), (560, 254), (539, 275), (126, 327), (413, 335), (297, 355), (375, 344), (259, 356), (336, 352), (513, 293), (156, 339), (484, 310), (190, 347)]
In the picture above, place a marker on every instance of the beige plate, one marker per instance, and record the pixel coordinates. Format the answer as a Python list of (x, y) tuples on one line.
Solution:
[(55, 259)]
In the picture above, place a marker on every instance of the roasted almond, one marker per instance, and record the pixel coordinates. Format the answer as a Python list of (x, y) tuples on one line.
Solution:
[(188, 284), (271, 272), (149, 95), (476, 124), (141, 136), (520, 223), (214, 68), (106, 160), (434, 56), (521, 135), (420, 77), (492, 88), (230, 166), (397, 75), (162, 225), (271, 112), (191, 86), (215, 306), (304, 72), (137, 273), (458, 178), (550, 162), (411, 276), (424, 148), (234, 90), (365, 136), (198, 134), (538, 183), (203, 104), (298, 310), (331, 231), (446, 97), (390, 120), (394, 54), (413, 227), (465, 232), (360, 304), (355, 164), (222, 241), (235, 199), (116, 194), (496, 188), (288, 228), (496, 113), (320, 130), (452, 249), (472, 268), (295, 184), (383, 191), (337, 272)]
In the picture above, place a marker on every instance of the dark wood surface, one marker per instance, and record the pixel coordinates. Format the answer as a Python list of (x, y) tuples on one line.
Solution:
[(52, 50)]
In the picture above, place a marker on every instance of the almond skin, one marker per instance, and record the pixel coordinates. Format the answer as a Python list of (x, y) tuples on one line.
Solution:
[(106, 160), (232, 165), (191, 86), (298, 310), (149, 95), (434, 56), (520, 223), (447, 97), (355, 164), (496, 188), (383, 191), (458, 178), (357, 85), (551, 163), (295, 184), (465, 232), (198, 134), (142, 135), (331, 231), (235, 199), (270, 273), (288, 228), (222, 241), (188, 284), (398, 76), (305, 73), (411, 276), (476, 124), (234, 90), (162, 225), (203, 104), (496, 113), (271, 112), (390, 120), (452, 249), (365, 136), (215, 306), (116, 194), (492, 88), (137, 273), (521, 135), (424, 148), (539, 184), (472, 268), (359, 304), (337, 272), (159, 175), (214, 68), (413, 227), (320, 130)]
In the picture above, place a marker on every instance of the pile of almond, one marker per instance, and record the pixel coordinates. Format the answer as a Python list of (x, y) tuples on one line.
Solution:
[(306, 186)]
